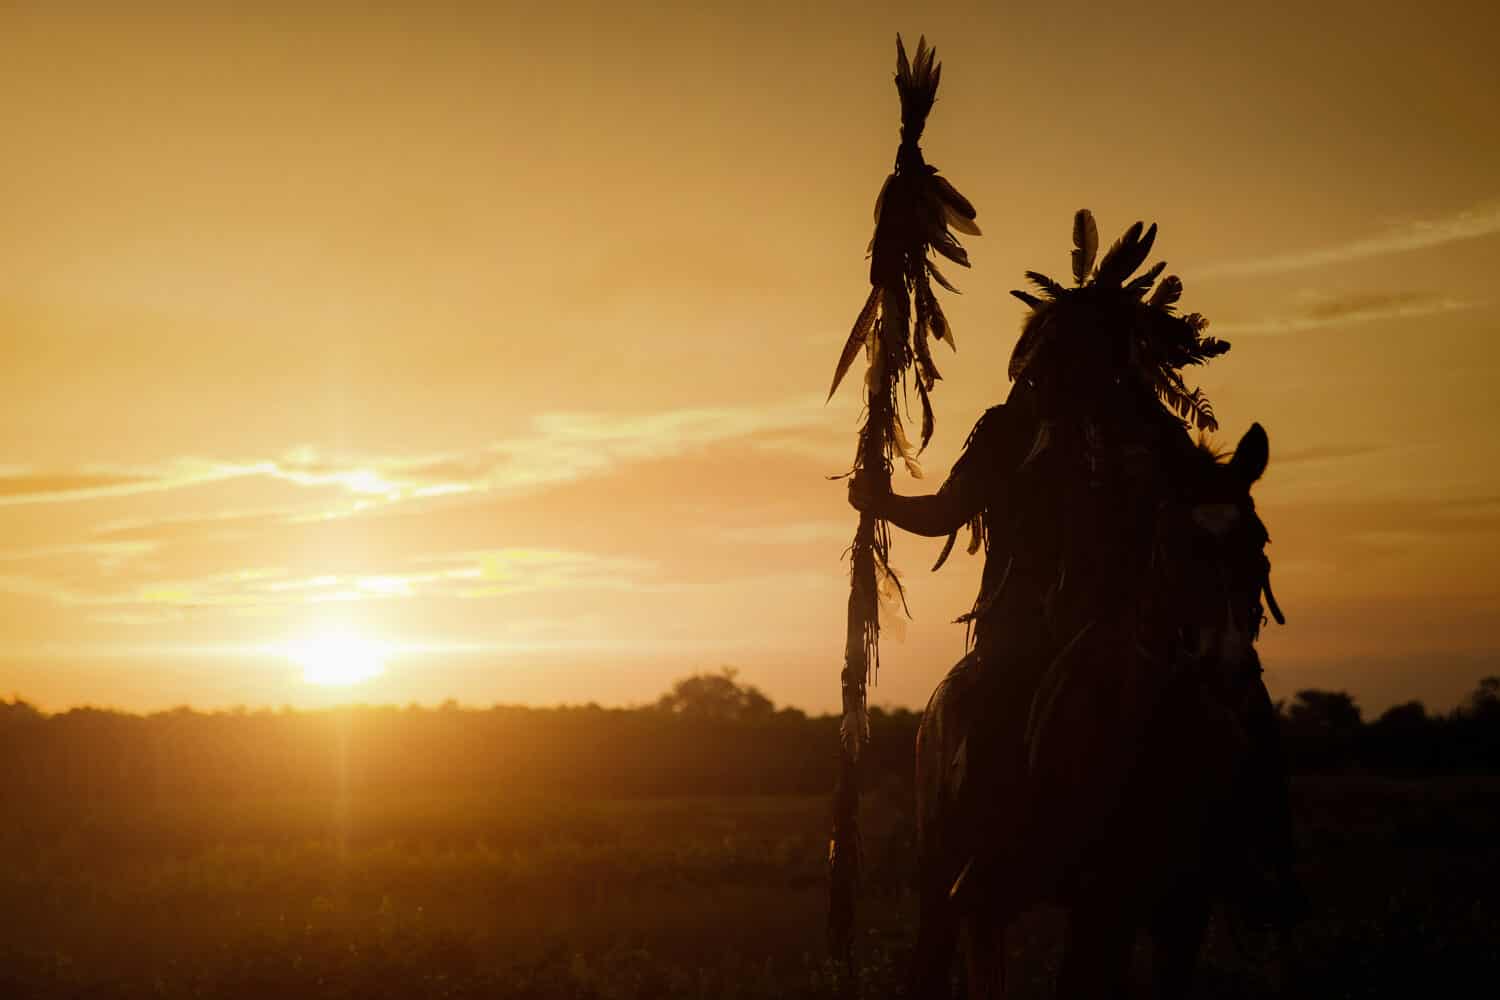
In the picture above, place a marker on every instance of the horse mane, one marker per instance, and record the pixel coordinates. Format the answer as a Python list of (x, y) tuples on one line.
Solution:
[(1212, 449)]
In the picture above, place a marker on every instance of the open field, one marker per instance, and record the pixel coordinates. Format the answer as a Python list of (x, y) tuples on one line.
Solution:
[(487, 893)]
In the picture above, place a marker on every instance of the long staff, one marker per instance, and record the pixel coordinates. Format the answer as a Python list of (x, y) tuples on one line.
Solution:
[(895, 328)]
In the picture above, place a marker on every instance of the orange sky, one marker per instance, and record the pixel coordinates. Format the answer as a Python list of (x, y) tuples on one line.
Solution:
[(500, 337)]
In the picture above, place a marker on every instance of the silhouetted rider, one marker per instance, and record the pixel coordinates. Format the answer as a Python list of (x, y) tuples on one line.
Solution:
[(1062, 484)]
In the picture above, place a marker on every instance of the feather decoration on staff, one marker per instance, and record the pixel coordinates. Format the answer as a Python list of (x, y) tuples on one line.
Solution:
[(900, 317)]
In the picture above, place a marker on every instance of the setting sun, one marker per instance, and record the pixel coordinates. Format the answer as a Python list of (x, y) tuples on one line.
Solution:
[(338, 658)]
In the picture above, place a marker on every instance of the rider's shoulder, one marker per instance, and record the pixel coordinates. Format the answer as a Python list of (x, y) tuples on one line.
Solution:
[(992, 419), (1001, 425)]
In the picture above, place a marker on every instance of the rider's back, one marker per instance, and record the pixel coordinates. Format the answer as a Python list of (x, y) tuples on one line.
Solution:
[(1071, 494)]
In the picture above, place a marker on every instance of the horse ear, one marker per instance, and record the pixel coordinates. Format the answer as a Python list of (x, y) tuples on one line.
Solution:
[(1251, 454)]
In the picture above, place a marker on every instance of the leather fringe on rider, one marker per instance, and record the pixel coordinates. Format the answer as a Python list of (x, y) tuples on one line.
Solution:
[(1062, 485)]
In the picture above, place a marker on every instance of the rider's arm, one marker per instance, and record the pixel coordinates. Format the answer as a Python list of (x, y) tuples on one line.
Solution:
[(935, 514), (989, 456)]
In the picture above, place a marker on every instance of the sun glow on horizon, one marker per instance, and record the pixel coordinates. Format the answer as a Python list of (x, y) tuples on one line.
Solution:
[(338, 658)]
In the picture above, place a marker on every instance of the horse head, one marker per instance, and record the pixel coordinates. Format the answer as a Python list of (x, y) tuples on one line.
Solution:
[(1211, 549)]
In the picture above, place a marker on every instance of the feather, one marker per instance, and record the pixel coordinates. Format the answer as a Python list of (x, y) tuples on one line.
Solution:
[(890, 580), (921, 326), (1046, 284), (952, 249), (940, 328), (1039, 444), (1125, 256), (1085, 244), (943, 555), (916, 83), (1140, 286), (959, 221), (1168, 292), (859, 337), (1271, 601), (950, 198), (1028, 298), (1143, 250), (1189, 404), (935, 325), (1034, 334), (929, 422), (932, 220), (904, 448), (938, 277), (880, 200), (1212, 347), (854, 730), (889, 611), (921, 66), (1203, 412)]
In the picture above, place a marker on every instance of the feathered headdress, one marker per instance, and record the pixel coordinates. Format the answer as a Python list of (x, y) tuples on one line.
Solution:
[(1126, 323)]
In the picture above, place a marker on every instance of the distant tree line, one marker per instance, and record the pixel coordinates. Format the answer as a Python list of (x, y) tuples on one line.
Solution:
[(1325, 732), (709, 735)]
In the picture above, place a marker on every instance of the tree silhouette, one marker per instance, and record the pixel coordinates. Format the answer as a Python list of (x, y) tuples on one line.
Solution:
[(1476, 727), (716, 698), (1404, 739), (1321, 729), (1483, 704)]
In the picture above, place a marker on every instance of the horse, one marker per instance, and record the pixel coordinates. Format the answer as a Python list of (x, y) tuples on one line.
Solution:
[(1136, 742)]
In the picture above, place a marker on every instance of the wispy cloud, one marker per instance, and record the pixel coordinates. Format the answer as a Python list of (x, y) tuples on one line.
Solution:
[(1348, 311), (31, 486), (192, 525), (29, 483), (101, 551), (470, 574), (565, 510), (1326, 453), (551, 448), (503, 572), (789, 533), (1471, 223), (567, 446)]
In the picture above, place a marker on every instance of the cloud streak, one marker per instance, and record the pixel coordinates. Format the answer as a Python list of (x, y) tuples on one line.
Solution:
[(463, 575), (1350, 311), (1326, 453), (554, 448), (1420, 234), (29, 483)]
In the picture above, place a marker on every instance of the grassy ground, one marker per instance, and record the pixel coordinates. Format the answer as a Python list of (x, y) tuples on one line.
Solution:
[(491, 895)]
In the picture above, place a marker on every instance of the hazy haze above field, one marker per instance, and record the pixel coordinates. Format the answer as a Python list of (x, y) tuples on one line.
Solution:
[(500, 337)]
